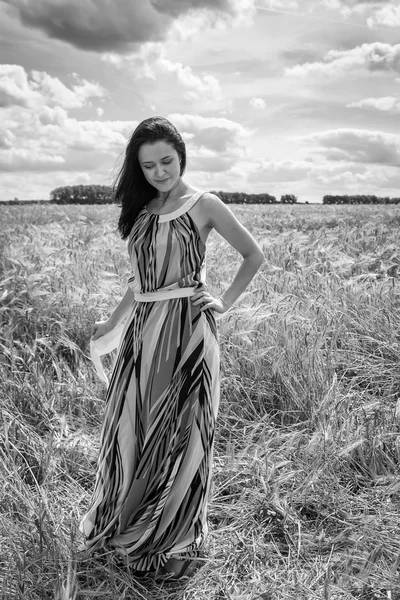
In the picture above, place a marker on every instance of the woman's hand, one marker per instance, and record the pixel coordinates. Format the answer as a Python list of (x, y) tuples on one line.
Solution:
[(205, 300), (100, 328)]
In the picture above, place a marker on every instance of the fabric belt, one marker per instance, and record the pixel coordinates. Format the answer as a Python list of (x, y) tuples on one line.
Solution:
[(182, 292)]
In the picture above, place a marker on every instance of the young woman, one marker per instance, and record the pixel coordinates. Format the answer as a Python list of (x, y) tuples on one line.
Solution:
[(154, 465)]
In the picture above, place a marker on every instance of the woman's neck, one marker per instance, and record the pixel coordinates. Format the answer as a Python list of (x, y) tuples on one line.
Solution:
[(177, 191)]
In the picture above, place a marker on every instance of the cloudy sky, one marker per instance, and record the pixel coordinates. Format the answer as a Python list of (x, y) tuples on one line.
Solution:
[(276, 96)]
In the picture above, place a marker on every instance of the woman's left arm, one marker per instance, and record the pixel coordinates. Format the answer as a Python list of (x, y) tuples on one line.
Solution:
[(222, 219)]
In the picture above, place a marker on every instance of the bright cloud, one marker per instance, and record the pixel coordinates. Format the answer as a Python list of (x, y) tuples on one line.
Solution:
[(378, 13), (38, 88), (218, 134), (208, 162), (26, 159), (388, 16), (257, 103), (273, 171), (358, 179), (384, 103), (350, 7), (43, 137), (198, 86), (377, 56), (356, 145), (40, 137), (151, 62), (36, 132), (214, 144)]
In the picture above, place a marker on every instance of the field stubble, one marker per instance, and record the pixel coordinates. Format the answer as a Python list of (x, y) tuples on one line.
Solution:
[(306, 494)]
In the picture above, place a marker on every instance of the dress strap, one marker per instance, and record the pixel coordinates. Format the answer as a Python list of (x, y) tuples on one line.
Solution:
[(192, 201), (182, 209)]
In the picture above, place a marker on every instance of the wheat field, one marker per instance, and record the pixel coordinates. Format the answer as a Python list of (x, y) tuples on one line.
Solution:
[(306, 491)]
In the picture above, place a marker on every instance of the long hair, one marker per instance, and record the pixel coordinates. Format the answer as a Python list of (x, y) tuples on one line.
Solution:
[(131, 188)]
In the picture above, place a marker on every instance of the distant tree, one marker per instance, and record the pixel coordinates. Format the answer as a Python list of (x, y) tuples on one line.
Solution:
[(244, 198), (82, 194), (288, 199), (359, 199)]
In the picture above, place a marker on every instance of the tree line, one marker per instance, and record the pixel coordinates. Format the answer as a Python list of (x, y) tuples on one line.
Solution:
[(103, 194), (359, 199), (82, 194)]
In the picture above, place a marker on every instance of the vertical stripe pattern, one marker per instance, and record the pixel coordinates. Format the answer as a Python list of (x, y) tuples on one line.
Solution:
[(154, 467)]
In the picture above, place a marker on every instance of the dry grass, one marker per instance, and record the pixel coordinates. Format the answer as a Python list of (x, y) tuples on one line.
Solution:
[(306, 491)]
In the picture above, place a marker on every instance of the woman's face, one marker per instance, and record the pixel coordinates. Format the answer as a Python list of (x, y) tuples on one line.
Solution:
[(160, 164)]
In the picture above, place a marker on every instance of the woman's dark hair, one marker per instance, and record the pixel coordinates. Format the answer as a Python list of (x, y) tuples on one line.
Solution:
[(131, 188)]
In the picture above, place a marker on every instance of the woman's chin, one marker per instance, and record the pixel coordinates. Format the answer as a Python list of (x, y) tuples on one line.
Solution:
[(168, 186), (163, 186)]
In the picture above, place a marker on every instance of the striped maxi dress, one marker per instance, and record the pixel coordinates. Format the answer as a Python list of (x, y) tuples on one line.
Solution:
[(154, 466)]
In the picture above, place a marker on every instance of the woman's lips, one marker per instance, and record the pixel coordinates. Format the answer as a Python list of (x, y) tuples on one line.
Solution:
[(162, 181)]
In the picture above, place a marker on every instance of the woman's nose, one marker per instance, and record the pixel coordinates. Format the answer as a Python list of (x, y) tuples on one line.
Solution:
[(159, 170)]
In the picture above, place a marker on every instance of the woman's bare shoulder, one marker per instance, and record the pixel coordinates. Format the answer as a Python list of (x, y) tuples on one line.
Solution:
[(210, 197), (214, 209), (210, 201)]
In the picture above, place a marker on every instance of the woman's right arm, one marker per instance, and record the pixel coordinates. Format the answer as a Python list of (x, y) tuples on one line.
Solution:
[(119, 315), (122, 310)]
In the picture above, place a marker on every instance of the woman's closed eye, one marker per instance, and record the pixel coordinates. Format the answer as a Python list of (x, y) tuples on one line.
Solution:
[(166, 162)]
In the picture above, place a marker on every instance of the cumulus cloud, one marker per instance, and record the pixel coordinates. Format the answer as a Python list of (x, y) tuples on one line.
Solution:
[(151, 62), (45, 138), (257, 103), (210, 162), (101, 136), (356, 145), (388, 16), (354, 4), (348, 179), (197, 86), (378, 13), (31, 188), (218, 134), (274, 171), (24, 159), (214, 144), (38, 88), (36, 137), (14, 87), (385, 103), (36, 132), (327, 176), (350, 7), (106, 25), (377, 56), (355, 178), (218, 16)]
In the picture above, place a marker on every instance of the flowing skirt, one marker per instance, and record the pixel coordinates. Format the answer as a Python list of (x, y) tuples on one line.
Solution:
[(154, 467)]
